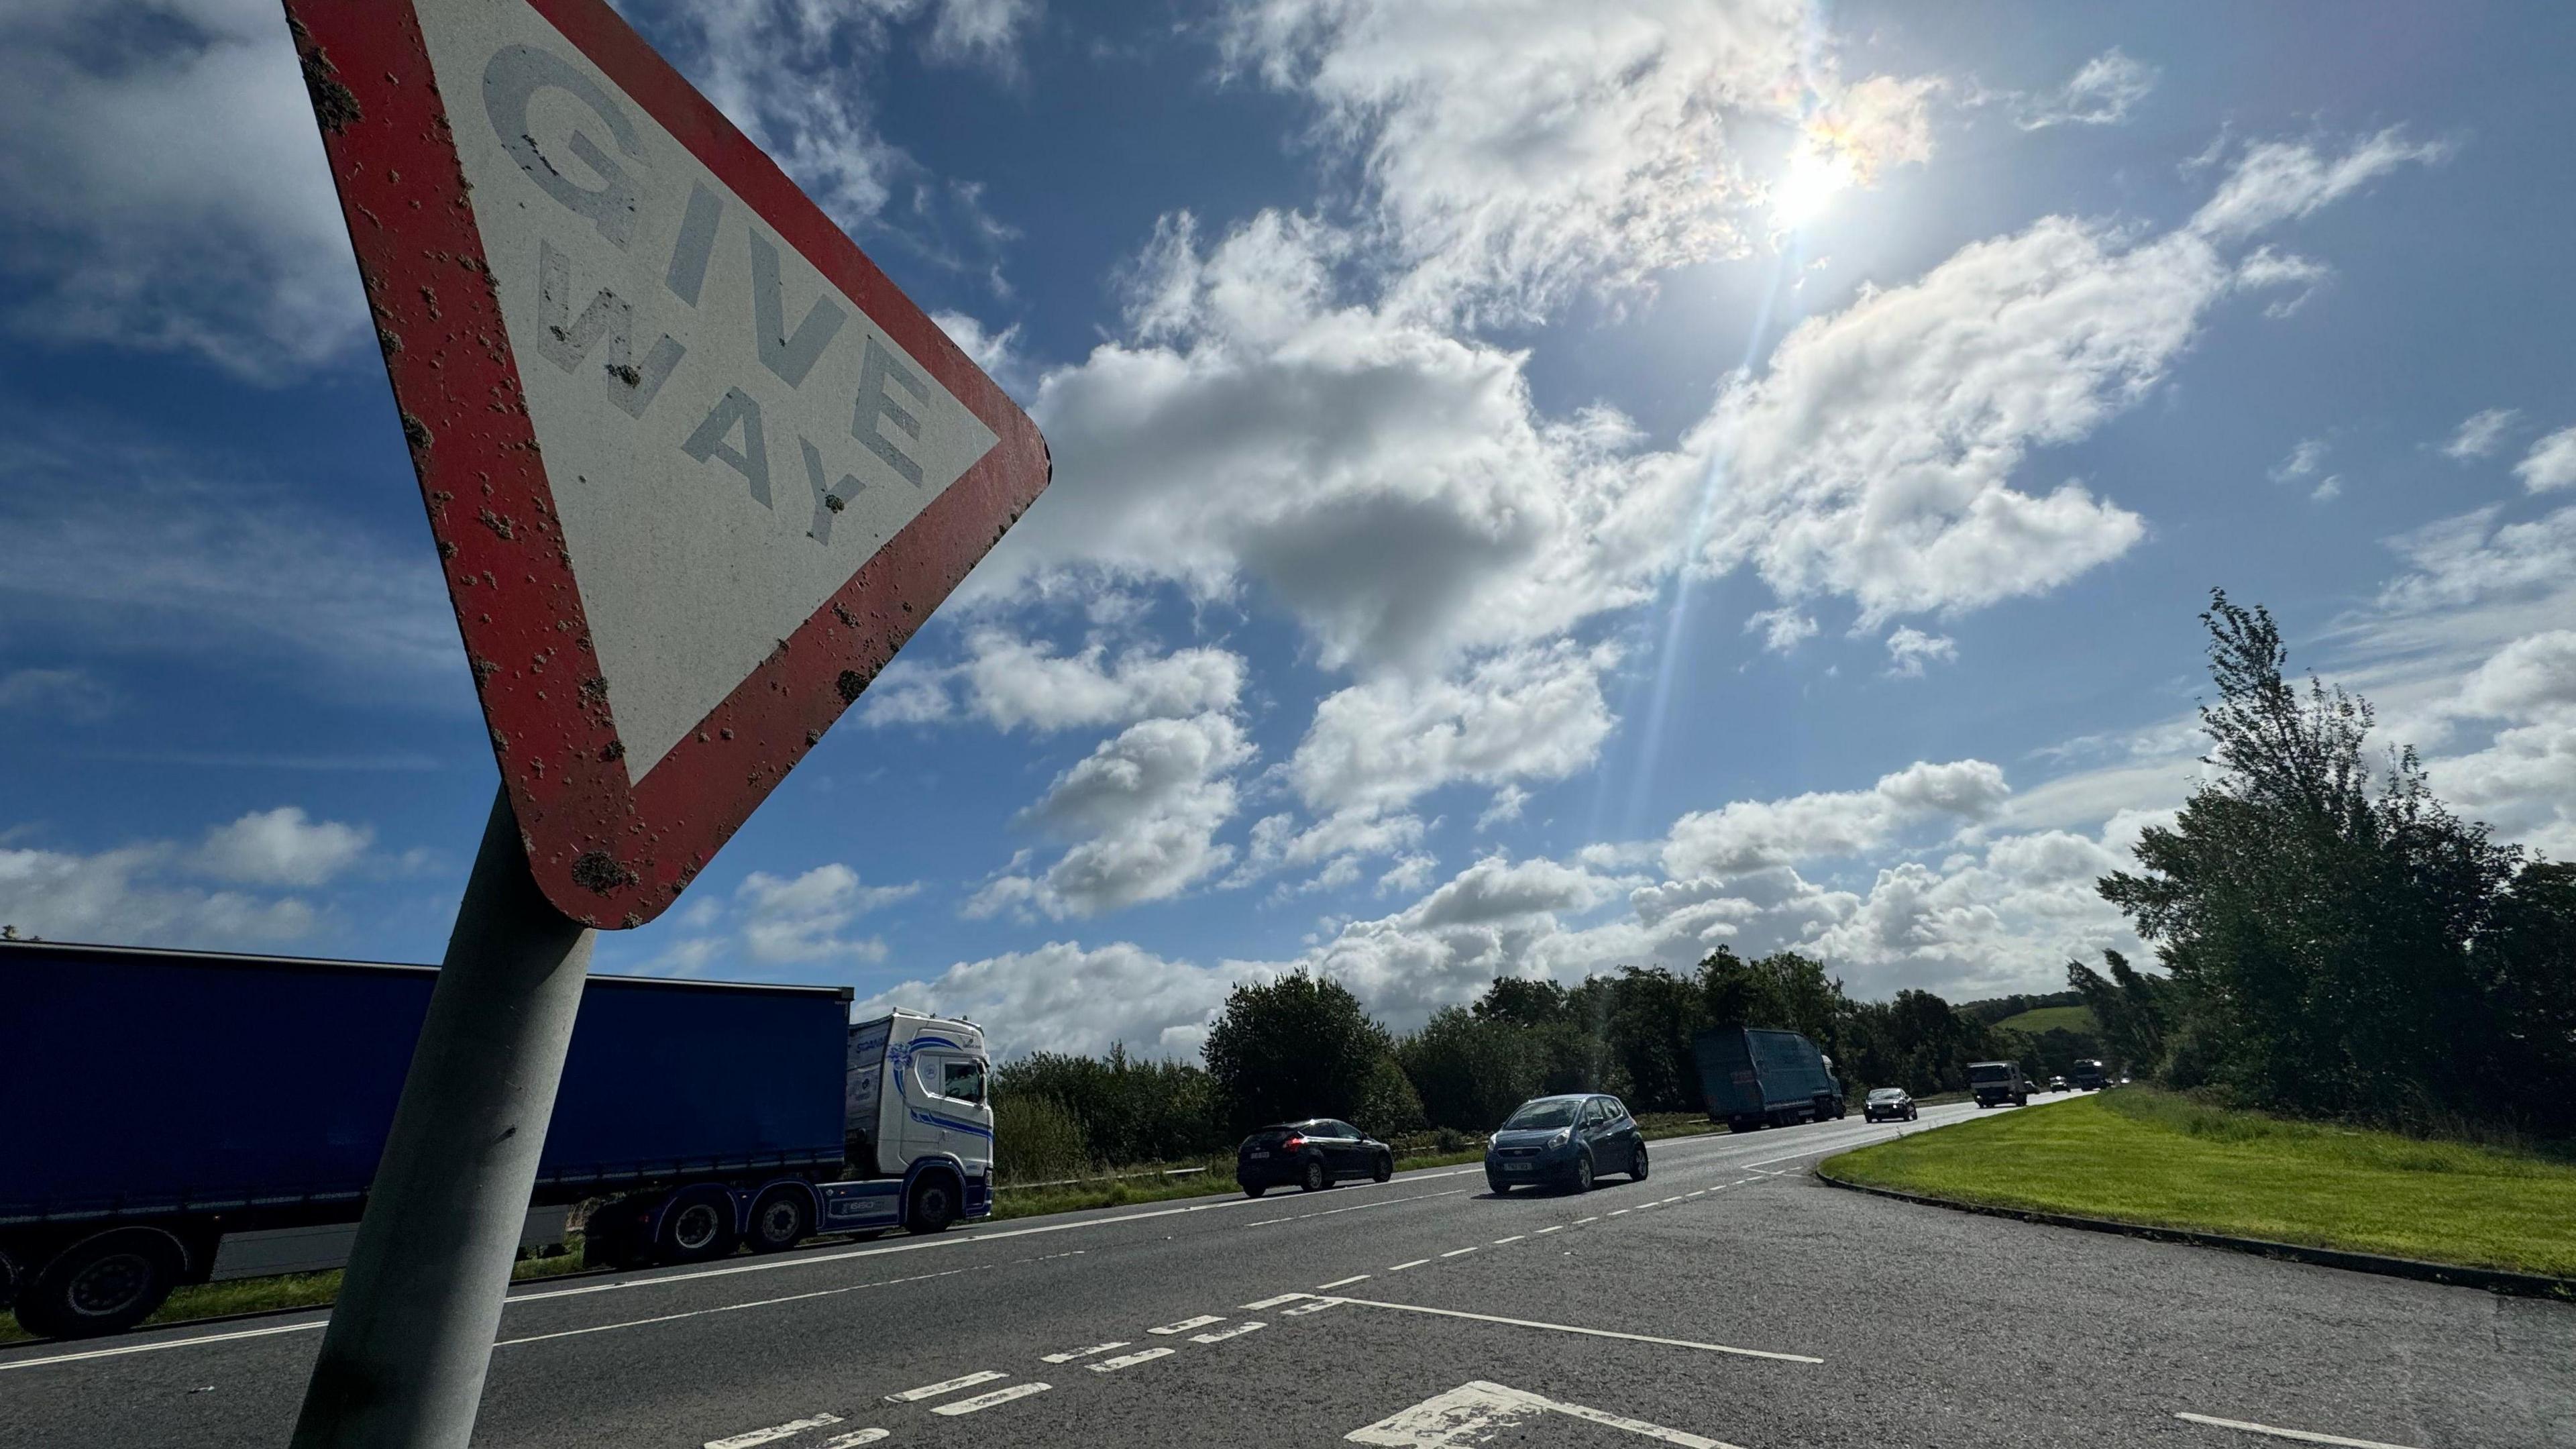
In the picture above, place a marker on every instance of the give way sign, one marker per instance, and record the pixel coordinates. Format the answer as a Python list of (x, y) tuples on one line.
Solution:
[(695, 468)]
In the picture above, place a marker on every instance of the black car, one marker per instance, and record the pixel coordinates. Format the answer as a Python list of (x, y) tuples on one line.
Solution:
[(1890, 1104), (1565, 1140), (1313, 1154)]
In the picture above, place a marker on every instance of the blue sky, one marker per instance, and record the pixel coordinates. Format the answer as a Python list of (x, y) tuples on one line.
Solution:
[(1539, 488)]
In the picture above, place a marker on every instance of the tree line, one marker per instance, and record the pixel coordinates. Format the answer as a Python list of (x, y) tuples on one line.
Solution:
[(2333, 941)]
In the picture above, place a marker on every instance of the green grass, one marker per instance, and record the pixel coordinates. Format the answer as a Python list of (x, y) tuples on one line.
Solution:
[(2142, 1156), (2052, 1018)]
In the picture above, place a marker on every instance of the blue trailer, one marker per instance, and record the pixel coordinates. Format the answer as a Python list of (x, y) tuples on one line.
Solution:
[(156, 1103), (1755, 1078)]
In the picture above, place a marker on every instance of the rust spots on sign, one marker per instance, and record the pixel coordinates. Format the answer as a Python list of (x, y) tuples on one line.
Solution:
[(850, 684), (334, 104), (598, 872), (416, 433), (498, 523)]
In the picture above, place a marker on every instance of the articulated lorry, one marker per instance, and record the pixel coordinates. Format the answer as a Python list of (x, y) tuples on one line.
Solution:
[(1755, 1078), (168, 1117)]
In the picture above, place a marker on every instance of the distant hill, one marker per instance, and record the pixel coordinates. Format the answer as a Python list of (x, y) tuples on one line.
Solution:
[(2056, 1018), (1993, 1010)]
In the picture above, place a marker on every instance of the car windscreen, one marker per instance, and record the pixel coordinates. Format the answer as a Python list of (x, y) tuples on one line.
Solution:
[(1542, 1115), (1885, 1094), (1990, 1073)]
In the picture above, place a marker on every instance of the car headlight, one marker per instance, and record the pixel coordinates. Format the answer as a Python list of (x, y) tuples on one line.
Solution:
[(1563, 1136)]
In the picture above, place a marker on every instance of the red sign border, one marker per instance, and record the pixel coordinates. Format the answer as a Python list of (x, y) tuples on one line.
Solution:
[(606, 851)]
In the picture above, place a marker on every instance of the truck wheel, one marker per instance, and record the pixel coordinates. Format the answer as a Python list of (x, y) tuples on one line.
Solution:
[(934, 1205), (696, 1227), (780, 1220), (106, 1284)]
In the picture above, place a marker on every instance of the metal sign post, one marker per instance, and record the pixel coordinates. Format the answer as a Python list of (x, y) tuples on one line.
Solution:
[(696, 469), (404, 1357)]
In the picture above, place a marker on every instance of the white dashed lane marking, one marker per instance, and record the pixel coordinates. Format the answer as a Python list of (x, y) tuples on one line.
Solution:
[(1130, 1360), (2304, 1436), (1543, 1232), (774, 1432), (981, 1402), (1318, 1306), (1274, 1302), (1222, 1334), (1416, 1263), (1457, 1252), (1186, 1324), (1343, 1282), (1498, 1242), (945, 1386), (1073, 1354), (854, 1438)]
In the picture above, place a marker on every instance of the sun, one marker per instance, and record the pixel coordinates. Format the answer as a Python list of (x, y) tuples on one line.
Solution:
[(1813, 176)]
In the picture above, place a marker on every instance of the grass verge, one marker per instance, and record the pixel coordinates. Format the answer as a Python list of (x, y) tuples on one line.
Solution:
[(2142, 1156)]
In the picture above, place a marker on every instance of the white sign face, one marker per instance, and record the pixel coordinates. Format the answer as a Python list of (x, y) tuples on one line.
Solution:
[(728, 437)]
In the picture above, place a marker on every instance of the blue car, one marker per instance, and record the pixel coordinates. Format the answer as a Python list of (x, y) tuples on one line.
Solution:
[(1565, 1141)]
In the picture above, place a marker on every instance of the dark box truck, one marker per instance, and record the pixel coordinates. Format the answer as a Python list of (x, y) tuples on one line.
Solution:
[(162, 1109), (1755, 1078)]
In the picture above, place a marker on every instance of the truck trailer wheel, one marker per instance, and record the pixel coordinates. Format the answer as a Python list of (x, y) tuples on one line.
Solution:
[(106, 1284), (780, 1220)]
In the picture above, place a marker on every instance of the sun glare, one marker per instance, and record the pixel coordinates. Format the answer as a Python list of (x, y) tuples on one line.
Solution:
[(1810, 181)]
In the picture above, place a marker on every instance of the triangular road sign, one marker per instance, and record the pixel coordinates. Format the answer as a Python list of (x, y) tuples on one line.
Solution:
[(695, 467)]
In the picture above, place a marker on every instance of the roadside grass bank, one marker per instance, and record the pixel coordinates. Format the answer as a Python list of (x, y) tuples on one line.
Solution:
[(2151, 1158), (320, 1290)]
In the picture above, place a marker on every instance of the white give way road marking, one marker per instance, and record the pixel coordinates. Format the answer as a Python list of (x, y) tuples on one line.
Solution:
[(773, 1433), (1476, 1410), (2305, 1436)]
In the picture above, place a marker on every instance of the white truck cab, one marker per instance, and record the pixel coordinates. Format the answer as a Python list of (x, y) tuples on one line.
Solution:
[(920, 1126)]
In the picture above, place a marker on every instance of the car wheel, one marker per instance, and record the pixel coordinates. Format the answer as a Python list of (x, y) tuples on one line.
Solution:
[(780, 1221), (1315, 1178), (1637, 1165), (1498, 1187), (1255, 1189), (1583, 1172), (1385, 1167)]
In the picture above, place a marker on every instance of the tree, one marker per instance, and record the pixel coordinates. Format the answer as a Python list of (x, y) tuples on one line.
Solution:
[(2318, 932), (2129, 1009), (1297, 1047)]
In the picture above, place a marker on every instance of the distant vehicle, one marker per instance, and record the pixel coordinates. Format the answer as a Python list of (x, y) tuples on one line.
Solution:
[(1753, 1078), (1996, 1083), (231, 1125), (2087, 1075), (2057, 1084), (1567, 1141), (1313, 1154), (1892, 1104)]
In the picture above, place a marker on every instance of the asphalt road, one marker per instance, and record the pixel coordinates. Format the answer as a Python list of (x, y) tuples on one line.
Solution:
[(1730, 1299)]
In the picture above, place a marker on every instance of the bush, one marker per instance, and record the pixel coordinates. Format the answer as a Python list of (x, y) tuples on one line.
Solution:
[(1037, 1139)]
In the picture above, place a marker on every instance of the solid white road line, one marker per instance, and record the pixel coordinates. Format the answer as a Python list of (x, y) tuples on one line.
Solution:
[(1416, 1263), (1457, 1252), (2302, 1435), (1343, 1282), (1130, 1360), (1355, 1207), (1222, 1334), (1186, 1324), (123, 1349), (1275, 1302), (855, 1438), (728, 1308), (773, 1433), (1572, 1328), (945, 1386), (981, 1402), (1082, 1352)]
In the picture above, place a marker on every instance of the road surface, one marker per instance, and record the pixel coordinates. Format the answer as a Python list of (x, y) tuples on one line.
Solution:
[(1730, 1299)]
